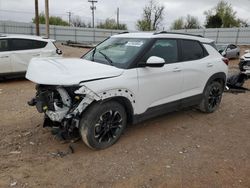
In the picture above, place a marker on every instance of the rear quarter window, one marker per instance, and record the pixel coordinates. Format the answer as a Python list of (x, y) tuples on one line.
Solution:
[(192, 50), (26, 44)]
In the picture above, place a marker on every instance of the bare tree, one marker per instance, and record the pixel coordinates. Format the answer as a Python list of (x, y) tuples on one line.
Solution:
[(152, 16), (178, 24), (76, 21), (192, 22)]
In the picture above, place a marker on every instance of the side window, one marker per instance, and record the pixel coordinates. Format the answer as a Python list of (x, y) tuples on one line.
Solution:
[(191, 50), (26, 44), (39, 44), (21, 44), (232, 46), (4, 45), (164, 48)]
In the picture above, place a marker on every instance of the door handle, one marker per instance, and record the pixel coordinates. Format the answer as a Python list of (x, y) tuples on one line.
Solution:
[(35, 55), (210, 65), (177, 69), (6, 56)]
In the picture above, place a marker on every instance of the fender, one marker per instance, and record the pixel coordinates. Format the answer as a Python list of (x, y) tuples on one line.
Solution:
[(216, 76), (91, 96)]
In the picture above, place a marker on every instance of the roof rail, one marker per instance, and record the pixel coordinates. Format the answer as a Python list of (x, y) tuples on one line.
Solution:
[(3, 35), (124, 32), (166, 32)]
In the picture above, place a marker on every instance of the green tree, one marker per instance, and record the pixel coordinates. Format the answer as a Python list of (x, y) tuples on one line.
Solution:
[(53, 20), (225, 11), (111, 24), (214, 21), (152, 17)]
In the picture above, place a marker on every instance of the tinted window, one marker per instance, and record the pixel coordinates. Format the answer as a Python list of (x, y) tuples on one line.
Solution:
[(191, 50), (39, 44), (26, 44), (4, 46), (232, 46), (164, 48)]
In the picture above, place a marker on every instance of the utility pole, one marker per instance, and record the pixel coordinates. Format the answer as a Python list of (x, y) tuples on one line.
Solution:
[(47, 17), (37, 18), (93, 8), (117, 18), (69, 14)]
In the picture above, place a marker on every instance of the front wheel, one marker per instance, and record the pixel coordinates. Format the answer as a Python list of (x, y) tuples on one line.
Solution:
[(102, 125), (211, 97)]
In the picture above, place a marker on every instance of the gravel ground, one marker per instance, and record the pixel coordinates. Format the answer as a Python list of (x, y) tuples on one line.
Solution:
[(181, 149)]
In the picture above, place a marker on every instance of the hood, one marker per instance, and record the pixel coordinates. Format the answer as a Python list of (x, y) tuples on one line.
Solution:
[(68, 71)]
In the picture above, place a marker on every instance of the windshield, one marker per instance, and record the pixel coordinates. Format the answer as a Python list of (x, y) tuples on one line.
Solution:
[(221, 47), (115, 51)]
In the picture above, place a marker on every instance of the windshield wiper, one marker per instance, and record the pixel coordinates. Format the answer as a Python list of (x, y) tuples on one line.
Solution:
[(93, 54), (106, 57)]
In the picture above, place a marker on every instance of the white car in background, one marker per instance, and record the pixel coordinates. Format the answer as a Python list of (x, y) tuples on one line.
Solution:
[(16, 51)]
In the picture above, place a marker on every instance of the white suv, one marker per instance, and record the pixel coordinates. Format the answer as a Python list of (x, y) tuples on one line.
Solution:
[(17, 50), (127, 78)]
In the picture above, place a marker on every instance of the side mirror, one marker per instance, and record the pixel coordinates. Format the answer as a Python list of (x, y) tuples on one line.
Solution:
[(155, 61), (59, 52)]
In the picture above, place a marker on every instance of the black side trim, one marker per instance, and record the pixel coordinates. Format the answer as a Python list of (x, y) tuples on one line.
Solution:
[(91, 80), (12, 74), (166, 108)]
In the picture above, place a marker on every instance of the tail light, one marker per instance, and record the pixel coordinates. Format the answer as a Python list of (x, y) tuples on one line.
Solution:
[(225, 60)]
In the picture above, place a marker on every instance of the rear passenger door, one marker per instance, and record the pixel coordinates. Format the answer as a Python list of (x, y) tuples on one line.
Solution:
[(5, 64), (196, 67), (22, 52)]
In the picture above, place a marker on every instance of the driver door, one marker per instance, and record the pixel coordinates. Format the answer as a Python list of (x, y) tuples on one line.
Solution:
[(160, 85)]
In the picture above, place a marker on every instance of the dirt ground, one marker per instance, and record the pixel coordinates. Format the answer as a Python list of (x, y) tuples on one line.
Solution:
[(182, 149)]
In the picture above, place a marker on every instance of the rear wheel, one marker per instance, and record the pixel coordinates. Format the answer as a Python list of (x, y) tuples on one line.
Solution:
[(102, 125), (211, 97)]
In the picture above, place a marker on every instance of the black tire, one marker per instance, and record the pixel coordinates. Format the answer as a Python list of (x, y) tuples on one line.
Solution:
[(238, 55), (211, 97), (102, 124)]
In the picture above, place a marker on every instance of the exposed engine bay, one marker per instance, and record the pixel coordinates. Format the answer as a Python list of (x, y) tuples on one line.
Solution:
[(62, 106)]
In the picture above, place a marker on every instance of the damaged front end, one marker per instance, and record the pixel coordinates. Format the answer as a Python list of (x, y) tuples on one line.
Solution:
[(63, 106)]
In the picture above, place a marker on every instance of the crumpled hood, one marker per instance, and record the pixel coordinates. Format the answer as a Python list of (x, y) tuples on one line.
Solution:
[(68, 71)]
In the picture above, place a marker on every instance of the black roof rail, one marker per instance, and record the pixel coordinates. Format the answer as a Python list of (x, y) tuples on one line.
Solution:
[(166, 32), (124, 32)]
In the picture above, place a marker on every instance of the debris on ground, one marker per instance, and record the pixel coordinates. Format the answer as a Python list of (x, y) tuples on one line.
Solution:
[(235, 83), (63, 153), (15, 152), (12, 184)]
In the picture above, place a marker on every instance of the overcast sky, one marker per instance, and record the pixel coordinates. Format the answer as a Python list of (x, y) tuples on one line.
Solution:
[(130, 10)]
